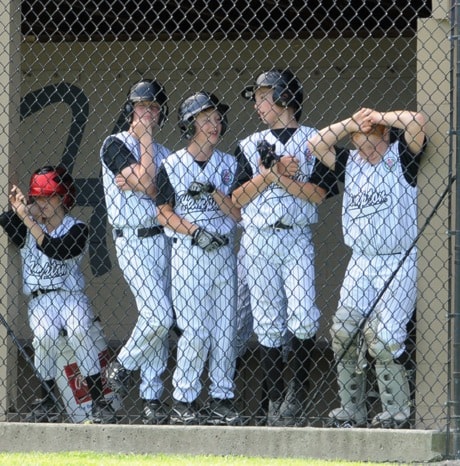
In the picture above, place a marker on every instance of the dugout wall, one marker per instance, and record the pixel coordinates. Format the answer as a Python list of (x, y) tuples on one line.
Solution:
[(68, 75)]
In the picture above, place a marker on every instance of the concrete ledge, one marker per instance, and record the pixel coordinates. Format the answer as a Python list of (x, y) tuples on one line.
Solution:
[(378, 445)]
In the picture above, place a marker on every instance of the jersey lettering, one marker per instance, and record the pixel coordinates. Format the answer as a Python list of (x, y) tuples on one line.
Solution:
[(368, 203), (204, 204), (48, 270)]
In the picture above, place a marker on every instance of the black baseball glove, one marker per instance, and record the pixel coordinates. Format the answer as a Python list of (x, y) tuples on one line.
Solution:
[(267, 153), (208, 241), (197, 189)]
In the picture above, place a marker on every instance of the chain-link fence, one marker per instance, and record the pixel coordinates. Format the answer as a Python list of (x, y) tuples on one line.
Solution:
[(235, 300)]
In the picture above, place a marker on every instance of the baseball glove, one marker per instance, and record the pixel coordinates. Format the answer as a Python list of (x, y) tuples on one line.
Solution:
[(267, 153), (208, 241), (196, 189)]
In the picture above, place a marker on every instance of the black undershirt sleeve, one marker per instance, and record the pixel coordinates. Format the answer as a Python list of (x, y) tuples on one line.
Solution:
[(409, 161), (323, 177), (14, 228), (117, 156), (165, 194), (70, 245), (243, 170), (341, 159)]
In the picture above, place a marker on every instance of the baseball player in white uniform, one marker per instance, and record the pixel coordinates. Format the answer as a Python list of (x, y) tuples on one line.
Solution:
[(129, 163), (379, 220), (52, 245), (195, 206), (277, 211)]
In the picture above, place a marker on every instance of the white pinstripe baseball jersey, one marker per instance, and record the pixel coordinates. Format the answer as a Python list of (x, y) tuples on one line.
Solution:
[(41, 271), (275, 204), (182, 170), (379, 213), (131, 209)]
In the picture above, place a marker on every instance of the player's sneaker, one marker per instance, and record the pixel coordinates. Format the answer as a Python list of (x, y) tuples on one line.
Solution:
[(43, 410), (119, 379), (184, 413), (274, 412), (343, 418), (292, 406), (102, 412), (386, 420), (154, 412), (222, 412)]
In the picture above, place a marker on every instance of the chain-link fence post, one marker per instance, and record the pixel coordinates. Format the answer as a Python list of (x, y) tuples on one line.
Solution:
[(456, 333), (10, 58)]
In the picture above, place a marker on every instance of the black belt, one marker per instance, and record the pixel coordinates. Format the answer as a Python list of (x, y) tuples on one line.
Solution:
[(42, 291), (190, 241), (280, 226), (143, 232)]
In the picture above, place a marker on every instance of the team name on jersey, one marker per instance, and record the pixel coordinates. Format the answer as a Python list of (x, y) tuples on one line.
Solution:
[(367, 203), (48, 270), (203, 204)]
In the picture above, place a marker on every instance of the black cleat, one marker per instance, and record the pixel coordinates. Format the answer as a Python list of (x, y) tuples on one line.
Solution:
[(184, 413), (102, 412), (290, 414), (223, 413), (43, 410), (274, 412), (154, 413), (119, 379)]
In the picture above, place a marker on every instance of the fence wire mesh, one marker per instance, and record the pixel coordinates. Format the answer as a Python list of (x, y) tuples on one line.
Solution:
[(218, 325)]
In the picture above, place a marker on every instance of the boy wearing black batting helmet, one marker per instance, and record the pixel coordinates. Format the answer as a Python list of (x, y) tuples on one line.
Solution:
[(195, 206), (130, 160), (281, 187)]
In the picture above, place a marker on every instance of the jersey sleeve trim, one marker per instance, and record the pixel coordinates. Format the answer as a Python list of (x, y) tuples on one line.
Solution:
[(68, 246), (14, 228), (116, 155), (165, 190)]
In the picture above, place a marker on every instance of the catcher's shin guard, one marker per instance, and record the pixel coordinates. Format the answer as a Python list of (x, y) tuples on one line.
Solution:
[(352, 387), (394, 396)]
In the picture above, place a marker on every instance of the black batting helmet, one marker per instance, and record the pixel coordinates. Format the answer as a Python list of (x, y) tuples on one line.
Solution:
[(195, 104), (287, 90), (147, 90)]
